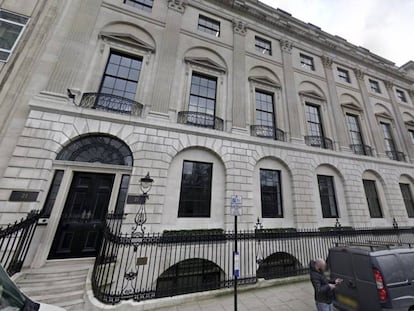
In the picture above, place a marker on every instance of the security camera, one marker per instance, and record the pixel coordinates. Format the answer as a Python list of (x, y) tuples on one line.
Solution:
[(71, 95)]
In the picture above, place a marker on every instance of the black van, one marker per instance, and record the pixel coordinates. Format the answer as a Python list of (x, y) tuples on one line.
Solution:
[(373, 279)]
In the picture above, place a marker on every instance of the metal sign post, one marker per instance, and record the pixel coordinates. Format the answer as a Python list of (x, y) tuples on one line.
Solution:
[(236, 201)]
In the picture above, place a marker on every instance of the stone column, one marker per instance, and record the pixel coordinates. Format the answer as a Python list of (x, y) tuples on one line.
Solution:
[(168, 57), (339, 130), (66, 70), (402, 131), (239, 76), (374, 134), (291, 92)]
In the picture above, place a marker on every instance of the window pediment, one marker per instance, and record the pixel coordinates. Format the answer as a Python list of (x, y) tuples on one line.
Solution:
[(312, 95), (265, 80), (384, 115), (205, 62), (126, 39), (351, 106)]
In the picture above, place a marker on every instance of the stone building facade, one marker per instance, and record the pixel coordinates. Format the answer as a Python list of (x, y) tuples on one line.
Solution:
[(303, 125)]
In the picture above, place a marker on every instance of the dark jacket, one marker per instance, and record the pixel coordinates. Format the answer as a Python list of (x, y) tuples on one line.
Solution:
[(323, 293)]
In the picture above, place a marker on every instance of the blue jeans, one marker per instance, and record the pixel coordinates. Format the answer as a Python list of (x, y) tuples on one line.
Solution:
[(320, 306)]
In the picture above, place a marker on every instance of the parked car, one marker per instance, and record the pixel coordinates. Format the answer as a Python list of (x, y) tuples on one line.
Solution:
[(12, 299), (373, 279)]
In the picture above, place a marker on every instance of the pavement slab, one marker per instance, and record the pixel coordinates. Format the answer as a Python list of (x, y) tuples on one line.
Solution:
[(288, 297)]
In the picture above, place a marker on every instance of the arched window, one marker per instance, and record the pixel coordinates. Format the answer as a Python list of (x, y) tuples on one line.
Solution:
[(97, 149)]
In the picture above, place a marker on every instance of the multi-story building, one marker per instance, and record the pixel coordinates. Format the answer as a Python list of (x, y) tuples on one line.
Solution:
[(213, 99)]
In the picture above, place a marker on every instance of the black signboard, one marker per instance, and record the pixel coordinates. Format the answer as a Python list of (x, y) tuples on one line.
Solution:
[(23, 196), (136, 199)]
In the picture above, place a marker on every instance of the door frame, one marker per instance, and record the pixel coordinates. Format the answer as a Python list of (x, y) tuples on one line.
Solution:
[(69, 167)]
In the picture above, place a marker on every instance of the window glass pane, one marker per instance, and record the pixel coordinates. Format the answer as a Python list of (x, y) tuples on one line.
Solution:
[(354, 129), (271, 193), (13, 17), (122, 194), (408, 199), (371, 194), (389, 141), (327, 196), (120, 79), (203, 97), (264, 109), (307, 62), (313, 120), (209, 25), (263, 46), (8, 34), (145, 5), (195, 194)]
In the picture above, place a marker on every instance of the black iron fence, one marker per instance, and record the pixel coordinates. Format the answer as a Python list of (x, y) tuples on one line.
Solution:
[(111, 103), (200, 119), (396, 155), (160, 265), (362, 150), (15, 240), (268, 132), (319, 141)]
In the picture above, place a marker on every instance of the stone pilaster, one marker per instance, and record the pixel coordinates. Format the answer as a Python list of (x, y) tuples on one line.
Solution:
[(168, 56), (66, 71), (402, 131), (339, 130), (239, 75), (291, 92), (375, 136)]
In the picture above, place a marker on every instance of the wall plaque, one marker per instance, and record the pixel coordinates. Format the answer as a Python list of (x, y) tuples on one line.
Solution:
[(136, 199), (23, 196), (142, 261)]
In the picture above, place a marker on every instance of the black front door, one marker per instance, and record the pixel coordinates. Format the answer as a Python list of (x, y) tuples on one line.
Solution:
[(80, 228)]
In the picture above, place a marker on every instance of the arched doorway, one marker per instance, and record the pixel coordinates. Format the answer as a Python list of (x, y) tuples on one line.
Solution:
[(189, 276), (279, 265), (80, 228)]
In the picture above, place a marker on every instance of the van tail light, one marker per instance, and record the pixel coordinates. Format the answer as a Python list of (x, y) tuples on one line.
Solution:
[(382, 291)]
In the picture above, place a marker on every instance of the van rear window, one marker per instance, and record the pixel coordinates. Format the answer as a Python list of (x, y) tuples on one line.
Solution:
[(408, 262), (391, 269), (340, 263), (363, 267)]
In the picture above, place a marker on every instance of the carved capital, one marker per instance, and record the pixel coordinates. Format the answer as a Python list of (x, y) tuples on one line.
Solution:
[(327, 61), (359, 73), (286, 46), (240, 27), (389, 85), (177, 5)]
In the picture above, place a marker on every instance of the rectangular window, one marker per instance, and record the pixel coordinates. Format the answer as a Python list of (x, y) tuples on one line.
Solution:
[(408, 199), (263, 46), (121, 76), (307, 62), (271, 194), (11, 29), (145, 5), (373, 201), (401, 96), (195, 194), (411, 132), (313, 120), (354, 129), (264, 109), (327, 195), (203, 94), (343, 75), (53, 191), (389, 140), (374, 86), (209, 25)]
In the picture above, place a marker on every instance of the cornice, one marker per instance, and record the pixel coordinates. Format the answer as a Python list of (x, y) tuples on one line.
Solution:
[(285, 22)]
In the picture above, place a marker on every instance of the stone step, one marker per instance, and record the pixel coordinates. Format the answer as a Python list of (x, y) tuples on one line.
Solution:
[(26, 282), (50, 288), (70, 262), (54, 299), (55, 272), (75, 305)]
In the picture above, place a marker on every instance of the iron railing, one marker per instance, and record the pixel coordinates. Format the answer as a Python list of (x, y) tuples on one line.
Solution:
[(161, 265), (200, 119), (396, 155), (15, 241), (319, 141), (268, 132), (111, 103), (362, 150)]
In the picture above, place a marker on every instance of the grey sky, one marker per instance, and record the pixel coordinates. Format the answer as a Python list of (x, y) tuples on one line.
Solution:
[(385, 27)]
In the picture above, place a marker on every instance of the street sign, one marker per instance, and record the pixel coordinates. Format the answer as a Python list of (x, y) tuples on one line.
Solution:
[(236, 271), (236, 201)]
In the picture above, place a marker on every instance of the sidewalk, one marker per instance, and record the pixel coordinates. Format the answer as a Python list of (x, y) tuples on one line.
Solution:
[(291, 297)]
